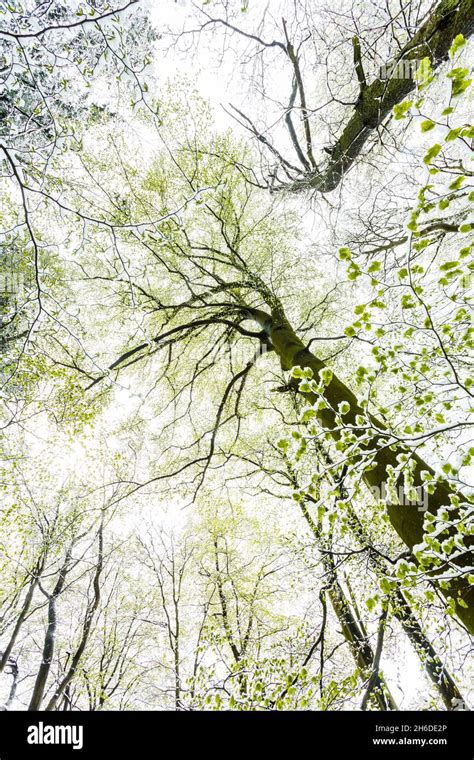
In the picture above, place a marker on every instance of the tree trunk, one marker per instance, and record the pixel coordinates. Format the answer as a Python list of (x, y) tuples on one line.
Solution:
[(407, 520), (433, 40), (436, 670), (351, 629), (49, 639), (401, 609), (87, 626), (23, 613)]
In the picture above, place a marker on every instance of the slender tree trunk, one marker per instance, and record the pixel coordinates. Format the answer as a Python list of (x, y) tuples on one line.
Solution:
[(86, 629), (353, 632), (49, 639), (12, 693), (372, 685), (223, 601), (23, 613), (177, 642), (436, 670), (238, 651)]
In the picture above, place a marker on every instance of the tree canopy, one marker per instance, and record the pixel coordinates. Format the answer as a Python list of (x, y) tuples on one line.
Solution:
[(236, 331)]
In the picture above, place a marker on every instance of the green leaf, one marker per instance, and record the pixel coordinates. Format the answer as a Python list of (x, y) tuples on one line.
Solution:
[(400, 110), (376, 266), (458, 73), (424, 74), (297, 372), (344, 407), (452, 134), (385, 586), (427, 125), (460, 86), (326, 375), (456, 184), (371, 603), (457, 44), (432, 153), (460, 82), (408, 302)]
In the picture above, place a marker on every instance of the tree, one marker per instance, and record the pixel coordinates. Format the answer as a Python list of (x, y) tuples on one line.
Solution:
[(409, 36), (227, 267), (51, 57), (194, 362)]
